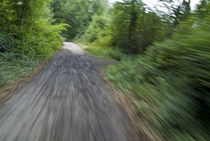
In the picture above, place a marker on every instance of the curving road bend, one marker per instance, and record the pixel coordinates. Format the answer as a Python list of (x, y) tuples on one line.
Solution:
[(67, 101)]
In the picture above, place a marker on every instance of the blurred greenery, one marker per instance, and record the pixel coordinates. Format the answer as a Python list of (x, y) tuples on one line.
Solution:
[(77, 14), (14, 66), (106, 53), (164, 57), (169, 80), (171, 83)]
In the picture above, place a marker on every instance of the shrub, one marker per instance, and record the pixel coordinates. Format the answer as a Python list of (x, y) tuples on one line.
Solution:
[(97, 29), (14, 66), (7, 42), (108, 53), (171, 83)]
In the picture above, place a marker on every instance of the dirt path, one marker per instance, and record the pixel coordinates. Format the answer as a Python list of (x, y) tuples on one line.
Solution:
[(67, 101)]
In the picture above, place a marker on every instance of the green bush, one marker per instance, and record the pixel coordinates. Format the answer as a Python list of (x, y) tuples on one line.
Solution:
[(14, 66), (171, 83), (43, 42), (107, 53), (26, 36), (7, 42), (97, 31)]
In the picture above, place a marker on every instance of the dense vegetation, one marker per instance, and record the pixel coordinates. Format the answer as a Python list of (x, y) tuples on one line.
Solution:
[(163, 57), (164, 63), (77, 14), (27, 35), (170, 84)]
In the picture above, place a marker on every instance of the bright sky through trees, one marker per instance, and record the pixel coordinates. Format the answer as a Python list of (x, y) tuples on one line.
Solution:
[(153, 3)]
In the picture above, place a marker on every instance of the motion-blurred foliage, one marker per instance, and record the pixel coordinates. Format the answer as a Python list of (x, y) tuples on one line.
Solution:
[(127, 26), (164, 57), (14, 66), (107, 53), (171, 82), (97, 31), (133, 28)]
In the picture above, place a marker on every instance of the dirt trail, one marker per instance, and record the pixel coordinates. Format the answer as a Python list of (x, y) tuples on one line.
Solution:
[(67, 101)]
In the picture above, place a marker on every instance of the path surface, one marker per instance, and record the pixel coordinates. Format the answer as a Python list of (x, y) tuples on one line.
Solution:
[(67, 101)]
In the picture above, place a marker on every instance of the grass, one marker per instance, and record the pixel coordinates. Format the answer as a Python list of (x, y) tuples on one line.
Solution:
[(106, 53)]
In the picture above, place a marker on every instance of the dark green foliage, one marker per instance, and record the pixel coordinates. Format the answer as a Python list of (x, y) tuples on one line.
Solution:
[(7, 42), (133, 29), (26, 35), (171, 82), (14, 66)]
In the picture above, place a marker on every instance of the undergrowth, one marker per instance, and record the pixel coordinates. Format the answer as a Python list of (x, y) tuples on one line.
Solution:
[(13, 66), (106, 53), (169, 84)]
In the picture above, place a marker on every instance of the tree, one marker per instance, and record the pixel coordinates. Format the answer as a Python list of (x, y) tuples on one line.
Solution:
[(77, 14), (177, 13), (29, 23), (133, 27)]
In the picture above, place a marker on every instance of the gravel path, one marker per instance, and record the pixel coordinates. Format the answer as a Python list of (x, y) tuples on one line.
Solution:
[(67, 101)]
